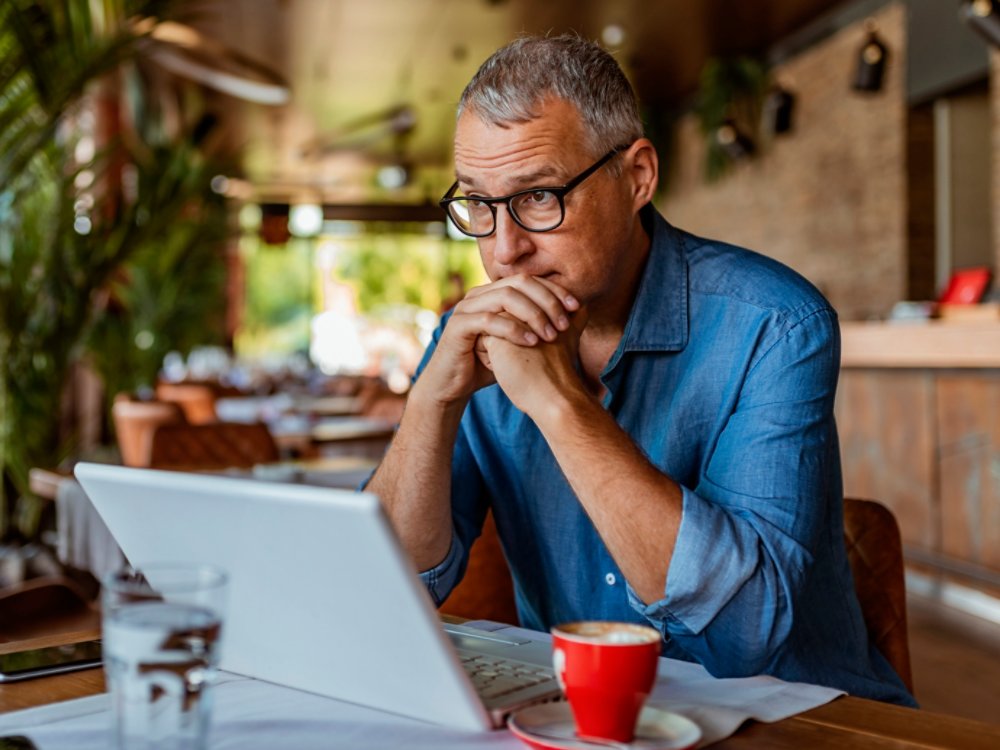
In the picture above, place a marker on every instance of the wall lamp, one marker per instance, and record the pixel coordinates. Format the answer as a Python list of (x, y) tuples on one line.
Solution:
[(870, 70), (779, 105), (984, 17), (733, 143)]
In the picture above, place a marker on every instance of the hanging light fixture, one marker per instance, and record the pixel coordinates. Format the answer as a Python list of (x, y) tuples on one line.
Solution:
[(984, 17), (733, 143), (186, 52), (274, 223), (870, 71)]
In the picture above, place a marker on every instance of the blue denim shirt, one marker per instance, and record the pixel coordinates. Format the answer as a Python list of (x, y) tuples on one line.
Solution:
[(725, 377)]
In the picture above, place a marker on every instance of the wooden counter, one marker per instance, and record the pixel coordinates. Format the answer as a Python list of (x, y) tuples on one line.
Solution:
[(918, 410), (930, 344)]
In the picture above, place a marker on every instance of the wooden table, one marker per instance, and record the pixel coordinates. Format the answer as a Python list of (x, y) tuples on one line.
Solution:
[(845, 723), (45, 482), (344, 436), (327, 406)]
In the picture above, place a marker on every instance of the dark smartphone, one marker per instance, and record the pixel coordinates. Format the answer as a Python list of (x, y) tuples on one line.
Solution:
[(38, 662)]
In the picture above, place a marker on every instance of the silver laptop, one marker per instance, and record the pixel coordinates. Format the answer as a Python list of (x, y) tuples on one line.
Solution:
[(322, 596)]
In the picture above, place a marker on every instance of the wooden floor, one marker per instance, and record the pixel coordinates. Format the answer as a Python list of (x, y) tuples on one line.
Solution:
[(956, 661)]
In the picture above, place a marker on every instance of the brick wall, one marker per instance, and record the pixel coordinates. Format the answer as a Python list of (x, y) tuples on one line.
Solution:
[(829, 198)]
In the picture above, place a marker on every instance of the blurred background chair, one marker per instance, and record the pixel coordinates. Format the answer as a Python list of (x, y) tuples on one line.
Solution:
[(135, 422), (875, 552), (218, 445), (487, 590), (45, 606), (376, 400), (196, 399)]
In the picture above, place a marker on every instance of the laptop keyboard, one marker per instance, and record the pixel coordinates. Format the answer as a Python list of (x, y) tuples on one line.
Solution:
[(494, 677)]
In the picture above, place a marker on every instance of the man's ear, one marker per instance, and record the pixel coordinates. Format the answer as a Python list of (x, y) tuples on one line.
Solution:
[(642, 166)]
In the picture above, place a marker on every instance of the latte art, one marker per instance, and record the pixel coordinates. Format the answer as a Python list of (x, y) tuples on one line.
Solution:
[(613, 633)]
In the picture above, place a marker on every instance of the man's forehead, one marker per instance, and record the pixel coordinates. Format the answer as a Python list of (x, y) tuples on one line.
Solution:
[(541, 177), (542, 149)]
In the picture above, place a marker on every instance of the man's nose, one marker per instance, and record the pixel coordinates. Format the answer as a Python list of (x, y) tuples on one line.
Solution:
[(512, 241)]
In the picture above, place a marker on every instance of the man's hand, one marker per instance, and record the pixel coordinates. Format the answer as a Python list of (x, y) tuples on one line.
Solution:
[(522, 311), (532, 376)]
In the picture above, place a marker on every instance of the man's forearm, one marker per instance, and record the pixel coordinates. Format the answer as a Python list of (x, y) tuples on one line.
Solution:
[(634, 507), (414, 478)]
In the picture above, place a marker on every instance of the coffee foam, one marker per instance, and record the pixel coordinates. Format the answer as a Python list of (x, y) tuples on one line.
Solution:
[(614, 633)]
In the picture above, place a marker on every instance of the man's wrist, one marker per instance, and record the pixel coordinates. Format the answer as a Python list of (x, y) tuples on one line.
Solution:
[(430, 404), (560, 407)]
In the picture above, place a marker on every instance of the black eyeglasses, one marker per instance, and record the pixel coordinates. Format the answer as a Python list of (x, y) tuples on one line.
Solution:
[(538, 209)]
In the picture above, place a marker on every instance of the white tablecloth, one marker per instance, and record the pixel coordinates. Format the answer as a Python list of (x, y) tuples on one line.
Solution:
[(255, 715), (83, 539)]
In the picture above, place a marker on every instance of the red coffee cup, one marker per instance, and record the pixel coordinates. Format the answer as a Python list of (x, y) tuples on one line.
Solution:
[(606, 670)]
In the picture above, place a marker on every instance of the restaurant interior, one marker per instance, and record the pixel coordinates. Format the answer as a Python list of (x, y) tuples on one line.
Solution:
[(221, 250)]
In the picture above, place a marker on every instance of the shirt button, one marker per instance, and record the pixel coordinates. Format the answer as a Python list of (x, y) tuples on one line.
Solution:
[(610, 579)]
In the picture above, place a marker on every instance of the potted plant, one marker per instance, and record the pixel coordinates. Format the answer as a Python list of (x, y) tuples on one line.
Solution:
[(70, 236)]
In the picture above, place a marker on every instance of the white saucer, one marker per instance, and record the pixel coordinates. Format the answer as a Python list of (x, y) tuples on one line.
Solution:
[(549, 726)]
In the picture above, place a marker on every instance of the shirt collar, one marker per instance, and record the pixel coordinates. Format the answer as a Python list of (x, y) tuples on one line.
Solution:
[(659, 317)]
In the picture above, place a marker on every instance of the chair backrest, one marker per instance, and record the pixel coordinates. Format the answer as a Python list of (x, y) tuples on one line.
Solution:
[(487, 591), (874, 549), (218, 445), (875, 552), (196, 399), (135, 421)]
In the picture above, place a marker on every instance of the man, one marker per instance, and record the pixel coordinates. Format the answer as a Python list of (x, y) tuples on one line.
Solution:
[(647, 413)]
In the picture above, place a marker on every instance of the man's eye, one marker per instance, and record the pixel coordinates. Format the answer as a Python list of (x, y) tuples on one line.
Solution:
[(540, 197)]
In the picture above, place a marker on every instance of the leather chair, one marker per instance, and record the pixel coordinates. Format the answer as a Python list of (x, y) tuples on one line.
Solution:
[(135, 421), (487, 591), (219, 445), (875, 552), (196, 399)]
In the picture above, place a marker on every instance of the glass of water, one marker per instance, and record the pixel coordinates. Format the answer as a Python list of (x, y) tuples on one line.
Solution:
[(161, 629)]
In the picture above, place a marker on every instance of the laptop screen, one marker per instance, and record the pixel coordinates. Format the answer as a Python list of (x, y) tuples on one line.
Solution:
[(322, 596)]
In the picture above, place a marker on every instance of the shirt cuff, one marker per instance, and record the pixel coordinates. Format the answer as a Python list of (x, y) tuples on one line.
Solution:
[(443, 577), (713, 558)]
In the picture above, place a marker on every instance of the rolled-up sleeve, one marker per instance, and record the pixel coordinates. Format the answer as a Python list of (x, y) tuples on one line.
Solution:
[(749, 529), (468, 511), (444, 576)]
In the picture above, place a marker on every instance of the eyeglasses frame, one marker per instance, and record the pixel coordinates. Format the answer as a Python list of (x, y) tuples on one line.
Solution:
[(560, 192)]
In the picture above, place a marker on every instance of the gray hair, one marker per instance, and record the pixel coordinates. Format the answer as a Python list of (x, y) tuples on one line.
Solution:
[(517, 79)]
